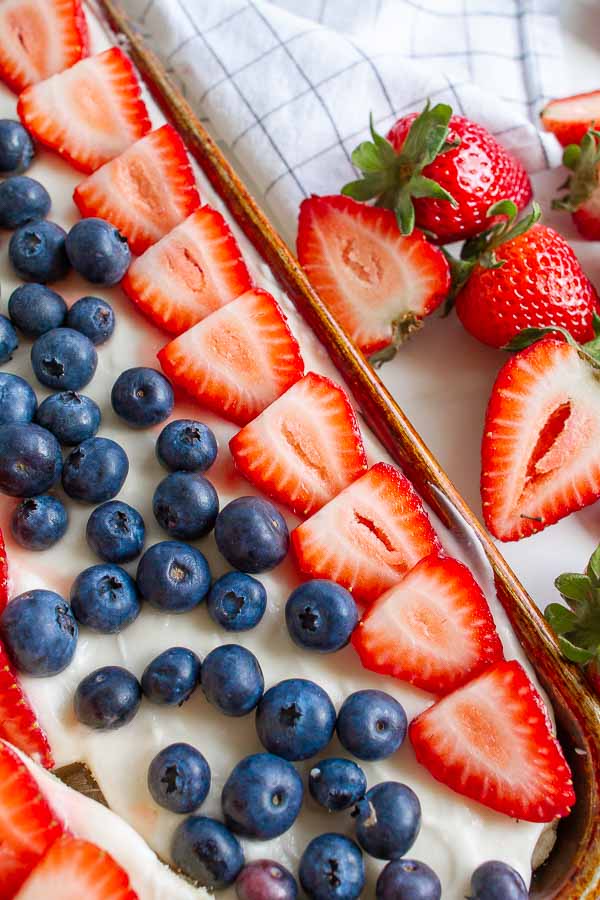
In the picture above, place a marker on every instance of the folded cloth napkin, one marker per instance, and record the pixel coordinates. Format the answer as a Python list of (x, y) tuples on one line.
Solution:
[(289, 86)]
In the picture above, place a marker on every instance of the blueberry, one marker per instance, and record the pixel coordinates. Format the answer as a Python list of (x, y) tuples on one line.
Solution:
[(173, 576), (262, 797), (93, 317), (251, 534), (172, 677), (237, 601), (71, 417), (496, 880), (39, 633), (104, 598), (18, 402), (185, 445), (264, 879), (409, 879), (23, 200), (39, 522), (8, 340), (37, 252), (16, 147), (321, 615), (36, 309), (95, 471), (388, 819), (142, 397), (179, 778), (332, 868), (107, 698), (232, 679), (64, 359), (371, 724), (295, 719), (98, 251), (207, 852), (185, 505), (115, 532), (30, 460), (337, 784)]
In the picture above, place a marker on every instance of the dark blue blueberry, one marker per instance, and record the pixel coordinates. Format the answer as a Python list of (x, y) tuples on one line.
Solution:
[(264, 879), (388, 819), (252, 534), (39, 632), (30, 460), (173, 576), (496, 880), (409, 879), (93, 317), (104, 598), (107, 698), (371, 724), (321, 615), (237, 601), (185, 505), (18, 402), (172, 677), (185, 445), (63, 359), (23, 200), (295, 719), (336, 783), (95, 471), (232, 679), (179, 778), (142, 397), (262, 797), (332, 868), (71, 417), (115, 532), (207, 852), (36, 309), (98, 251), (8, 340), (16, 147), (39, 522), (37, 252)]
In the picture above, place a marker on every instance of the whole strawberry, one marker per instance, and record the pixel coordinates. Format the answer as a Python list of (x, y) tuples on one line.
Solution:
[(438, 171)]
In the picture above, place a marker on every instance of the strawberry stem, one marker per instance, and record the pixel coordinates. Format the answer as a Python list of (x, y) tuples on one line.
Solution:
[(582, 160)]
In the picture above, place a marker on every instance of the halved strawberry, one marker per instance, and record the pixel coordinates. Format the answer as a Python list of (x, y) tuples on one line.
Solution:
[(570, 117), (376, 282), (3, 573), (539, 454), (75, 869), (237, 360), (492, 741), (18, 722), (434, 629), (88, 113), (192, 271), (304, 448), (145, 192), (39, 38), (368, 536), (28, 826)]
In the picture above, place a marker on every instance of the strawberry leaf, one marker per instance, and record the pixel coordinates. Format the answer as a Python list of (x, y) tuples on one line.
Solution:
[(574, 588), (560, 618), (365, 188), (573, 653), (593, 567), (420, 186), (405, 212)]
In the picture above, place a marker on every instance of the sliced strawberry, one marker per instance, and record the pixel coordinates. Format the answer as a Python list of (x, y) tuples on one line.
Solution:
[(539, 455), (145, 192), (368, 536), (237, 360), (39, 38), (492, 741), (434, 629), (376, 282), (304, 448), (3, 573), (18, 723), (28, 825), (88, 113), (193, 270), (570, 117)]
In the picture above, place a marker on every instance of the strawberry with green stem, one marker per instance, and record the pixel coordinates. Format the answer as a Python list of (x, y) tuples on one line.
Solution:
[(582, 197)]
